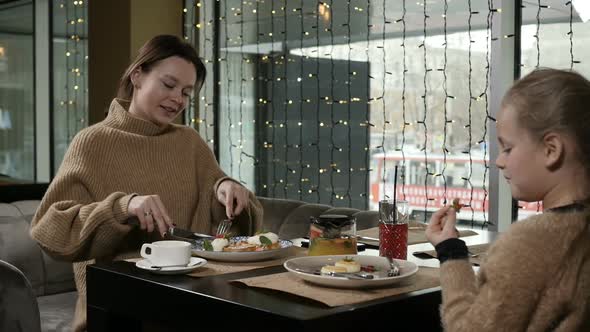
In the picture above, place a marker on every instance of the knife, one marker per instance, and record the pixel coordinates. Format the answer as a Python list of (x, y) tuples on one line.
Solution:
[(367, 238), (356, 276), (177, 233), (186, 234)]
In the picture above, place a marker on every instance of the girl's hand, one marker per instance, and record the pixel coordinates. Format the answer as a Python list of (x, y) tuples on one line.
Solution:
[(150, 211), (442, 225), (233, 196)]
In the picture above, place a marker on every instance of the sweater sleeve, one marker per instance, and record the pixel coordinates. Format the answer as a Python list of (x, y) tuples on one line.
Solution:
[(210, 176), (70, 223), (505, 294)]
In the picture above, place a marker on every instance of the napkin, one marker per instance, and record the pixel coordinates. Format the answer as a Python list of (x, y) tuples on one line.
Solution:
[(477, 253), (289, 283)]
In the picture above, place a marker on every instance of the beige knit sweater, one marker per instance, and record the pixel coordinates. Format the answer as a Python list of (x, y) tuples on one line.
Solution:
[(536, 278), (82, 216)]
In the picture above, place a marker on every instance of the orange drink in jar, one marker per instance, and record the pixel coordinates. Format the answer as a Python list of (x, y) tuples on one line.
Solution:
[(332, 235)]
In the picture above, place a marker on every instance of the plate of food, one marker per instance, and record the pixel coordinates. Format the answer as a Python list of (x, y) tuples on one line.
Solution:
[(351, 271), (242, 248)]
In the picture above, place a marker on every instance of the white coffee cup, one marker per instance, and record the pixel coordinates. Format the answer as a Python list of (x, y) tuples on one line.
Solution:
[(167, 253)]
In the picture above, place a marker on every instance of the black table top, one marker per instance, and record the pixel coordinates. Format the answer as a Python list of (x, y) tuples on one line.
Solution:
[(179, 302), (122, 297)]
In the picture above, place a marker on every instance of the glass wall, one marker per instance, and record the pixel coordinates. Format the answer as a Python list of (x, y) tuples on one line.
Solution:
[(321, 100), (17, 116)]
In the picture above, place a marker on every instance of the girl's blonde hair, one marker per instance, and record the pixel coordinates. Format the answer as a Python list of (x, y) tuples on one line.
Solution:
[(554, 100)]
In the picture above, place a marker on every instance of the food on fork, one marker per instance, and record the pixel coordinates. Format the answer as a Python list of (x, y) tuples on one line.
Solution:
[(457, 205), (349, 264)]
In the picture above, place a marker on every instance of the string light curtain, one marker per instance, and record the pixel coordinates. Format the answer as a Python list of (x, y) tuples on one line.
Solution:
[(319, 100), (552, 35), (70, 80)]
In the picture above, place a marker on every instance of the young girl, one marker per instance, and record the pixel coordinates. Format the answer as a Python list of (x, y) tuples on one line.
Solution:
[(537, 275), (137, 163)]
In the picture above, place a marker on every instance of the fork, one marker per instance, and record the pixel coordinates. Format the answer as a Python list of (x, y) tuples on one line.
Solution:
[(223, 227), (394, 268)]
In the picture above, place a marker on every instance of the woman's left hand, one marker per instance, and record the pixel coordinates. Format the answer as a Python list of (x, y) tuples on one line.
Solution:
[(234, 196)]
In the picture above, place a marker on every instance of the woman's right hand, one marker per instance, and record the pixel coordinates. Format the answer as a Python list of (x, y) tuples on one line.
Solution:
[(150, 211)]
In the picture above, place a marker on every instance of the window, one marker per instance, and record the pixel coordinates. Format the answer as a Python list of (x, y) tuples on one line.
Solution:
[(319, 101), (17, 116)]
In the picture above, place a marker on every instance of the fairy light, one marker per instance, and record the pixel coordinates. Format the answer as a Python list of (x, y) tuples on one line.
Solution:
[(445, 104), (348, 111), (425, 109), (404, 114), (272, 97), (228, 85), (285, 106), (382, 98), (332, 143), (470, 110), (300, 120), (71, 99), (241, 82), (488, 117), (299, 131)]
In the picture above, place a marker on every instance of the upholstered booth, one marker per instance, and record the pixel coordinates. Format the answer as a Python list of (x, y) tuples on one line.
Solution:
[(18, 304), (50, 283), (49, 280)]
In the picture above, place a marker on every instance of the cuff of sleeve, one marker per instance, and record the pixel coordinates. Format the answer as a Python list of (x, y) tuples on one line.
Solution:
[(451, 249), (121, 208), (218, 182)]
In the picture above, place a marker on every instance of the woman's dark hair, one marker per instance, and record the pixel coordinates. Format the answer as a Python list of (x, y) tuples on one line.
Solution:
[(553, 100), (156, 49)]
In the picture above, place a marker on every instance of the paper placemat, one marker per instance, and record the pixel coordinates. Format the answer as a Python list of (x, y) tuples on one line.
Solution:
[(478, 253), (415, 234), (213, 268), (287, 282)]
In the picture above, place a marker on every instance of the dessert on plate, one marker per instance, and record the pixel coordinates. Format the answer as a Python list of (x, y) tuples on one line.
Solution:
[(346, 265)]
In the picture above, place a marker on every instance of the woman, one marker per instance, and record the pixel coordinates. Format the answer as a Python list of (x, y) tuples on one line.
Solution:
[(137, 163), (537, 275)]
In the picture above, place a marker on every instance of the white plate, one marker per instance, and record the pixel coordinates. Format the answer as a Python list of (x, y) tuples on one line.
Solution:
[(194, 264), (315, 263), (247, 256)]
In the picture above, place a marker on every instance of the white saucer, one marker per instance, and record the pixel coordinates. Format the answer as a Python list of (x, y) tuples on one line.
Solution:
[(194, 264)]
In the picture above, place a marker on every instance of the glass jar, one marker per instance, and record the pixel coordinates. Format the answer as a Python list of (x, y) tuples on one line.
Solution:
[(332, 234)]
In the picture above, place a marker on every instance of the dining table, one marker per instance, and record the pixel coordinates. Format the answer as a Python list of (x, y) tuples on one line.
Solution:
[(122, 297)]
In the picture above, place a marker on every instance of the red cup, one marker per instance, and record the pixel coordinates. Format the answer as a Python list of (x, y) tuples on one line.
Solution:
[(393, 240)]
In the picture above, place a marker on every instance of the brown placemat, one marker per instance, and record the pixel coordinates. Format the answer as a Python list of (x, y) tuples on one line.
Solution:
[(415, 234), (287, 282), (213, 268), (478, 253)]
